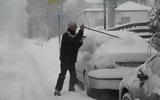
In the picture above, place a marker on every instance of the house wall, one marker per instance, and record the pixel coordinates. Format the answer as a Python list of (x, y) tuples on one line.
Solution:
[(95, 18), (135, 16), (150, 3)]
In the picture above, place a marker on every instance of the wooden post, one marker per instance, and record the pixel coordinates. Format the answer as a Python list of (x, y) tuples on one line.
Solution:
[(104, 3), (111, 12)]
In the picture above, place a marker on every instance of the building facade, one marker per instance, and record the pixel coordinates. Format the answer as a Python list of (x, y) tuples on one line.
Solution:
[(126, 13), (119, 2)]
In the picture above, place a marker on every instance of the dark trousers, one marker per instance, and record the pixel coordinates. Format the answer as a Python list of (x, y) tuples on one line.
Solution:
[(73, 78)]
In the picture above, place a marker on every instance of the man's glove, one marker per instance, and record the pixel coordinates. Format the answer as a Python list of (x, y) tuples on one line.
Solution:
[(82, 27), (81, 40)]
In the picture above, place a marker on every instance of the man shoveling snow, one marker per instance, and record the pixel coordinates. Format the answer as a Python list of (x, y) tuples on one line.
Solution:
[(71, 42)]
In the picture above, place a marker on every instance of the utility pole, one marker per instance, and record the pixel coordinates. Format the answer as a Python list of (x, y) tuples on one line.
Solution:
[(104, 3), (112, 4), (60, 20)]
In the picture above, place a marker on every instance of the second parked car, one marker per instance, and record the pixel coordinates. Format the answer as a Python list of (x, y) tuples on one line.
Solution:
[(103, 60), (143, 83)]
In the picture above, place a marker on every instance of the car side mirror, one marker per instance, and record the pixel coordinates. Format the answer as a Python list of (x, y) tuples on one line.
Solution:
[(142, 77)]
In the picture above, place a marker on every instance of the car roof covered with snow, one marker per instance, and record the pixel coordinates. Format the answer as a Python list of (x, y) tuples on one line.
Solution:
[(106, 50), (127, 41)]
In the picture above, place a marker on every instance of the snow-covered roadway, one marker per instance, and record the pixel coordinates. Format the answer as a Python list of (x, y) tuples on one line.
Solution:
[(27, 71)]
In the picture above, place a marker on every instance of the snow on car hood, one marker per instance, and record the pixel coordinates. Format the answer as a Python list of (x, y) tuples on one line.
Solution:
[(113, 73)]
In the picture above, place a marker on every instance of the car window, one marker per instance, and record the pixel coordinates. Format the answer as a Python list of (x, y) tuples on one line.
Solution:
[(150, 60), (156, 66)]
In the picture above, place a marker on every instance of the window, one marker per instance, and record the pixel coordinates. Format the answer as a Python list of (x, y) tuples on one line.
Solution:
[(126, 19)]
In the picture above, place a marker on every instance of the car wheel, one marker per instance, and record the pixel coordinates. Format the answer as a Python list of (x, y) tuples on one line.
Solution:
[(126, 96)]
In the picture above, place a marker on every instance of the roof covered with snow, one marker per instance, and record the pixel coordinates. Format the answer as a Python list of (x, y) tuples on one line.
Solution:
[(127, 6), (132, 6)]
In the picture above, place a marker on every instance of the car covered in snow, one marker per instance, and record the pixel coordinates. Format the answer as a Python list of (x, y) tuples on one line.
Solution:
[(103, 59), (143, 83)]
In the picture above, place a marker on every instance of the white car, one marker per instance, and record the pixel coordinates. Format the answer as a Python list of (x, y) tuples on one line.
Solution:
[(103, 59), (143, 83)]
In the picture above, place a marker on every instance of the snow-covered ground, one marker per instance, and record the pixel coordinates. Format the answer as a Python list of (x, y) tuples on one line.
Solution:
[(29, 71)]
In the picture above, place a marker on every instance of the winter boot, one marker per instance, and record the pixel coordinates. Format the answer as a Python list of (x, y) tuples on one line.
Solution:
[(71, 89), (57, 93)]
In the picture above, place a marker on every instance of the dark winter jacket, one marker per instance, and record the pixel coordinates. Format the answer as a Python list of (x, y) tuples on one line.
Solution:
[(69, 46)]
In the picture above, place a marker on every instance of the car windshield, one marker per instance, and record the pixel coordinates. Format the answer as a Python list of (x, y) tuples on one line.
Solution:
[(129, 64)]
